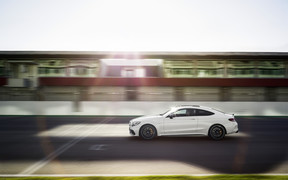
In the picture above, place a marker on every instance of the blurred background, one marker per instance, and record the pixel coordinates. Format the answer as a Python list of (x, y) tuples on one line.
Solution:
[(154, 76)]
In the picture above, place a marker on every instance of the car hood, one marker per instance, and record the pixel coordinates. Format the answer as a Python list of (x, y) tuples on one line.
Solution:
[(147, 118)]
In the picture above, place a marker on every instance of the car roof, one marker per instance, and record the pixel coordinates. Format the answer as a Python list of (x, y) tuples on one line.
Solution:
[(192, 106)]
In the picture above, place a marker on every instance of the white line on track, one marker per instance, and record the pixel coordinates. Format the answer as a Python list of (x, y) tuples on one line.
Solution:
[(36, 166), (98, 147)]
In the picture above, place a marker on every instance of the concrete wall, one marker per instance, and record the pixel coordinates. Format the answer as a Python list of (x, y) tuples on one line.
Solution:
[(134, 107)]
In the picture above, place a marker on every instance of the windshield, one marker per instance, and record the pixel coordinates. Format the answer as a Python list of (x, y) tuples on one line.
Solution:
[(165, 112)]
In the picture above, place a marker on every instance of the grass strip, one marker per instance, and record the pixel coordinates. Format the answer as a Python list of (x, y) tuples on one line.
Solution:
[(213, 177)]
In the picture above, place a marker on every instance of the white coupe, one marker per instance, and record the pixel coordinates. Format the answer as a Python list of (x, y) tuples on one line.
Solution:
[(185, 120)]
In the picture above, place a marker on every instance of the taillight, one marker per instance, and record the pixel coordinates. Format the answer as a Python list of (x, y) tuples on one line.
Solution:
[(231, 119)]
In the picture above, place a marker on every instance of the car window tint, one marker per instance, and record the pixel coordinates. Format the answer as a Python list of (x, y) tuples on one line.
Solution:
[(191, 112), (201, 112)]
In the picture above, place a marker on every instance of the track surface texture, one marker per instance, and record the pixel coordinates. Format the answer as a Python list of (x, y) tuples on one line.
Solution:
[(32, 145)]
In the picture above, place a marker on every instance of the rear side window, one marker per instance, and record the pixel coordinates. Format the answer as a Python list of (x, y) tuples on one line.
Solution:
[(201, 112)]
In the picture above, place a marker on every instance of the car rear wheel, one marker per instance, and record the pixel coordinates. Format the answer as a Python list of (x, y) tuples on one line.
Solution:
[(148, 132), (217, 132)]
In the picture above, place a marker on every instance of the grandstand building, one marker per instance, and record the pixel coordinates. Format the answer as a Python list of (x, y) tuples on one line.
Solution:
[(145, 76)]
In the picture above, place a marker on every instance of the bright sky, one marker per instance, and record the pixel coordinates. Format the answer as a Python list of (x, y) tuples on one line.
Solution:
[(144, 25)]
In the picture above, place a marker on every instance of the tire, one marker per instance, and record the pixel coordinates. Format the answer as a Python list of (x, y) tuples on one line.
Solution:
[(148, 132), (217, 132)]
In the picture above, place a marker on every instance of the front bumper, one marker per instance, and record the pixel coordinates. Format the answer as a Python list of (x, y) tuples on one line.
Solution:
[(131, 132), (134, 130)]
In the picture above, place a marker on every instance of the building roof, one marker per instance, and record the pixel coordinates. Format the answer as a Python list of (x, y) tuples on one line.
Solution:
[(140, 55)]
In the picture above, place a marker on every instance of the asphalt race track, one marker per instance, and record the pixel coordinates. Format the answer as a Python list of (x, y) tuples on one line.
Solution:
[(32, 145)]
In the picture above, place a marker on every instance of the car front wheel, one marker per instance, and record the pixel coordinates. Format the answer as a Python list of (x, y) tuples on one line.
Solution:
[(217, 132), (148, 132)]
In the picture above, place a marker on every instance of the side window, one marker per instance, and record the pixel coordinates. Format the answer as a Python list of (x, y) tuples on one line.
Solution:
[(191, 112), (201, 112), (185, 112), (181, 113)]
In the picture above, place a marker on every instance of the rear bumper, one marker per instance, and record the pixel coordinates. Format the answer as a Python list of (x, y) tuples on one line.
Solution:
[(232, 128)]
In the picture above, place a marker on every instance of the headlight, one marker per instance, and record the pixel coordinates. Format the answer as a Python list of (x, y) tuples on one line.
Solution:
[(135, 123)]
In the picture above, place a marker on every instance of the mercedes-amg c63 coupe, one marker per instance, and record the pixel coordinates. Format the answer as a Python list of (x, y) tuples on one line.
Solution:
[(185, 120)]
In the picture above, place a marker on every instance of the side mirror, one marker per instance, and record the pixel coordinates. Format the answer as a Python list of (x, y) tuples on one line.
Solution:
[(171, 116)]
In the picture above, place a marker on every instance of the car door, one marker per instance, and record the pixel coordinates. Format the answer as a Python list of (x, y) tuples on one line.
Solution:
[(182, 121)]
